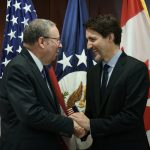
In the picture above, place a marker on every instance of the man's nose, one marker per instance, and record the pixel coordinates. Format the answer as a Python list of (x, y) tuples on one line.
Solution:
[(89, 45), (60, 45)]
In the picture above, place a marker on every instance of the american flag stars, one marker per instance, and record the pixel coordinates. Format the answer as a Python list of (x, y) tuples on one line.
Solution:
[(19, 14)]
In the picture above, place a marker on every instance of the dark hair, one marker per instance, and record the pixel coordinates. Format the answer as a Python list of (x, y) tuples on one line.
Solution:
[(36, 29), (104, 25)]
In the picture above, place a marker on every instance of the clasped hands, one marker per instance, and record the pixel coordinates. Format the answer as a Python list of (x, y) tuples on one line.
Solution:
[(81, 124)]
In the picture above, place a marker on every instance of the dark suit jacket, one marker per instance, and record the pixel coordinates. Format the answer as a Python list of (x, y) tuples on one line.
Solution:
[(31, 119), (117, 121)]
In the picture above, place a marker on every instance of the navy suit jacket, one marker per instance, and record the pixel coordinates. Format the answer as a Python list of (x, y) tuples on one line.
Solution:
[(31, 118), (117, 121)]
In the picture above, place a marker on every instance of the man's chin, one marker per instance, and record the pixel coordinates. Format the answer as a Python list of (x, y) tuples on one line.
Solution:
[(97, 58)]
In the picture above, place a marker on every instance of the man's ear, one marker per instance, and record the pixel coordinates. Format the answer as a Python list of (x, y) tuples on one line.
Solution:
[(41, 42), (111, 37)]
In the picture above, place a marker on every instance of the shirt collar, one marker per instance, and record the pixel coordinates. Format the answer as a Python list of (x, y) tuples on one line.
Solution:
[(112, 62), (37, 61)]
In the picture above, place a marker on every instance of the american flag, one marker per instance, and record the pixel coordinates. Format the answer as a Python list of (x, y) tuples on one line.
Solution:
[(19, 14)]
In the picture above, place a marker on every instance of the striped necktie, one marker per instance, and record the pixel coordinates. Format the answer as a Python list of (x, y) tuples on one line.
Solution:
[(46, 80)]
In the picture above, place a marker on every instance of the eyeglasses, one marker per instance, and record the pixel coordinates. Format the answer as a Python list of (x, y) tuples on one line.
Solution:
[(56, 39)]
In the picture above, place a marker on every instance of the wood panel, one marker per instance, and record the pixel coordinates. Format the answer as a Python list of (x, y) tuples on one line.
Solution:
[(42, 8), (2, 21), (55, 11)]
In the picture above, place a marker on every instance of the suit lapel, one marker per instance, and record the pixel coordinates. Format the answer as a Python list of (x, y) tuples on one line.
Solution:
[(53, 91), (44, 86), (97, 78), (114, 76), (39, 78)]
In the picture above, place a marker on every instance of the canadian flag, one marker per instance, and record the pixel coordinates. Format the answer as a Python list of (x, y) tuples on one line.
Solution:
[(136, 40)]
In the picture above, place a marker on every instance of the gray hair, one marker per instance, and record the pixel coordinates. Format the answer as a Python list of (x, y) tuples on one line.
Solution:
[(37, 28)]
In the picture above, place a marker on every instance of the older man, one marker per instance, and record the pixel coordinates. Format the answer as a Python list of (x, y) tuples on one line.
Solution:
[(30, 113)]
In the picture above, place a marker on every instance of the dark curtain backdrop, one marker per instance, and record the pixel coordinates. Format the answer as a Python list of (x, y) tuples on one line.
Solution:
[(55, 11)]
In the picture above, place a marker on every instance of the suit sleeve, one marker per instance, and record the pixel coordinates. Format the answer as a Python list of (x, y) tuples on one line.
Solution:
[(22, 96), (131, 114)]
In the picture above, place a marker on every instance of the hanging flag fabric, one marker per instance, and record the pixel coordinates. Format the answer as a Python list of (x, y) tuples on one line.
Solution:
[(19, 13), (136, 40), (69, 143), (74, 59), (57, 88)]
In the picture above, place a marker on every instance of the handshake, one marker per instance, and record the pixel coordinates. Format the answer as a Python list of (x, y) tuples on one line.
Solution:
[(81, 122)]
